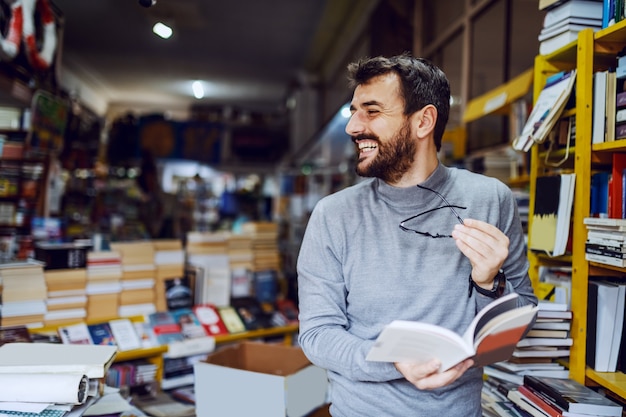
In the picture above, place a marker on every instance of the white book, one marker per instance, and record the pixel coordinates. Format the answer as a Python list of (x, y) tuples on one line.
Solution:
[(573, 8), (91, 360), (491, 337), (125, 335), (599, 106)]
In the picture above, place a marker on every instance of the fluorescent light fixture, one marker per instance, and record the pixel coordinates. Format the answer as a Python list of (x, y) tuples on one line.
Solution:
[(198, 89), (162, 30)]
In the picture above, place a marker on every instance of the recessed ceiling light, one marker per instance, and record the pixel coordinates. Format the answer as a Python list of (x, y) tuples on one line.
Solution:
[(162, 30)]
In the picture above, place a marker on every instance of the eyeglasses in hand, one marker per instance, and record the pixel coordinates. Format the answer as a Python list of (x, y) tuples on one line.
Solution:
[(446, 205)]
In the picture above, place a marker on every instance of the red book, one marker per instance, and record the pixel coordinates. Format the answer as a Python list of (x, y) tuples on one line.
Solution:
[(209, 317), (544, 404), (616, 192)]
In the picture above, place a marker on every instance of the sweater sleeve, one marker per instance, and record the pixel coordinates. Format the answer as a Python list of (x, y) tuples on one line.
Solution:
[(516, 265), (325, 337)]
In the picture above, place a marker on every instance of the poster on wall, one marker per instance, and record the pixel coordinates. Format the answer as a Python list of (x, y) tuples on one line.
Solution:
[(49, 116)]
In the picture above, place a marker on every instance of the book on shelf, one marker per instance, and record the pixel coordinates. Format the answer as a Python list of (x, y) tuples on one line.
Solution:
[(101, 334), (604, 259), (550, 227), (189, 324), (552, 325), (587, 9), (599, 107), (535, 332), (546, 111), (599, 203), (540, 402), (554, 314), (165, 327), (251, 313), (573, 397), (541, 352), (545, 341), (12, 334), (604, 223), (526, 404), (75, 334), (208, 315), (605, 324), (231, 319), (124, 334), (491, 337)]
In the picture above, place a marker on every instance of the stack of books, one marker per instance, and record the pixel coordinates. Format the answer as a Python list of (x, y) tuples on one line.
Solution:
[(67, 296), (565, 19), (606, 241), (104, 275), (545, 396), (264, 237), (138, 278), (169, 260), (537, 353), (208, 261), (24, 293)]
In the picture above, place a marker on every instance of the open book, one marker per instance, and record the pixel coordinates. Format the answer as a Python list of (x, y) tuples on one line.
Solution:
[(491, 337)]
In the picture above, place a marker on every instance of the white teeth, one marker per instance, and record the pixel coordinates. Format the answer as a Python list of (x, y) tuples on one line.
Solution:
[(367, 146)]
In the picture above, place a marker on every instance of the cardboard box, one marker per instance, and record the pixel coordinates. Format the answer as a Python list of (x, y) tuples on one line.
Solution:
[(258, 379)]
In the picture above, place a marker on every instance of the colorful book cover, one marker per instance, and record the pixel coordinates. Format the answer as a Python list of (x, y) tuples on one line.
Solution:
[(101, 334), (189, 323), (208, 315)]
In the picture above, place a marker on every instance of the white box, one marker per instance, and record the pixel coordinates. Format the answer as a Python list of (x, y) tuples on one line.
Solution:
[(258, 379)]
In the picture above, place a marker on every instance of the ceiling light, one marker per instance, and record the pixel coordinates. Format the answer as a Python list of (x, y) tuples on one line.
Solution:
[(162, 30), (346, 112), (198, 89)]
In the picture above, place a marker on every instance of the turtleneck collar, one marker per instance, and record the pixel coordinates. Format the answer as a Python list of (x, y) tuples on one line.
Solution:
[(413, 196)]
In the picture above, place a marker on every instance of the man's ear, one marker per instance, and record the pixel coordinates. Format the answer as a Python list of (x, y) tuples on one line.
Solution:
[(424, 121)]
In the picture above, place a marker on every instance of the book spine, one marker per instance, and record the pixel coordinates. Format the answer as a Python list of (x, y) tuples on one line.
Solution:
[(547, 391), (604, 251), (541, 401)]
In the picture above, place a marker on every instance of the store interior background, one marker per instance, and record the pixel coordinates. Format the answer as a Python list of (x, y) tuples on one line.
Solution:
[(267, 140)]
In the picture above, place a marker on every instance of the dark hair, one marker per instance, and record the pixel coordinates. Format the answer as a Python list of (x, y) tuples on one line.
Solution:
[(421, 83)]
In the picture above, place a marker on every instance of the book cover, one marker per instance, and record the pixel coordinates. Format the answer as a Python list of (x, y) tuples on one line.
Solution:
[(75, 334), (209, 317), (546, 111), (574, 397), (12, 334), (101, 334), (189, 324), (552, 213), (124, 334), (178, 293), (251, 313), (165, 327), (231, 319), (491, 337)]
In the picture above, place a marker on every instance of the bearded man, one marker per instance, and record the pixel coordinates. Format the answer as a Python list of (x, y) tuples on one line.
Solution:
[(415, 241)]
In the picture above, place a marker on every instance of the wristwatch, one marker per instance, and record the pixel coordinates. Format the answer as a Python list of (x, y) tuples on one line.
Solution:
[(499, 285)]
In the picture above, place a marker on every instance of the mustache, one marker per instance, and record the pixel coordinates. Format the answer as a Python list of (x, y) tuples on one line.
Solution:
[(365, 136)]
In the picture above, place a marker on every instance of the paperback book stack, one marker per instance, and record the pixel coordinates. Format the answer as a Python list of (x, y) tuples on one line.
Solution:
[(264, 237), (172, 288), (208, 262), (565, 19), (606, 241), (543, 345), (104, 274), (67, 296), (544, 396), (23, 293), (138, 275)]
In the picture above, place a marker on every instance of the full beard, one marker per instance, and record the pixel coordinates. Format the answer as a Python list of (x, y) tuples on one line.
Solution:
[(393, 159)]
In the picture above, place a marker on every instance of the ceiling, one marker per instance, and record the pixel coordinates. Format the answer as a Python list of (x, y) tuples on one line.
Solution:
[(247, 53)]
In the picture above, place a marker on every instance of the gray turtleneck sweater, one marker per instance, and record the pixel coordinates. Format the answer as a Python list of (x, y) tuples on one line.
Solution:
[(358, 271)]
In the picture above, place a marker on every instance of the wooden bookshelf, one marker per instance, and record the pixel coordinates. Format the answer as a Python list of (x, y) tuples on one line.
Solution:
[(591, 52)]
